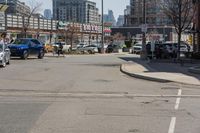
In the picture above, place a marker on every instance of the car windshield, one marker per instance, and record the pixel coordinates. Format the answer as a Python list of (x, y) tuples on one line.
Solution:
[(91, 46), (20, 41), (183, 46), (138, 44)]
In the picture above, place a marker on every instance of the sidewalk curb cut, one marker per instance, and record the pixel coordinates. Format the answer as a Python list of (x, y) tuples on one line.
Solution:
[(151, 78)]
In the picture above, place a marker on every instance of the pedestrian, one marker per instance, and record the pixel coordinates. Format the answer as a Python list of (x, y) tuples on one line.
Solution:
[(3, 38), (60, 48)]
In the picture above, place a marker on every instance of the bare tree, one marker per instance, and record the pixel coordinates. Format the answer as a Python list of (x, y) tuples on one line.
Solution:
[(72, 33), (35, 7), (181, 13), (118, 37)]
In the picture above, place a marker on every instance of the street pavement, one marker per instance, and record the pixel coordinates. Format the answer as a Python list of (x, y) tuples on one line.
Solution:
[(89, 94)]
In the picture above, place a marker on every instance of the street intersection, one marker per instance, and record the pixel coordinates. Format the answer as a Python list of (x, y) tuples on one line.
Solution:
[(89, 94)]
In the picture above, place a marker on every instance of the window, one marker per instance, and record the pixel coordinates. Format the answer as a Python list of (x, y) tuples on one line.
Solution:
[(35, 42), (21, 41)]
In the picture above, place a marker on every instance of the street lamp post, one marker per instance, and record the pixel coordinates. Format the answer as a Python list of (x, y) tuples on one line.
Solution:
[(102, 23), (144, 54)]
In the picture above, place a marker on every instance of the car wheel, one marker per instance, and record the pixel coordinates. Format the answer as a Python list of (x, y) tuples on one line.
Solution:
[(90, 52), (25, 55), (3, 63), (41, 54)]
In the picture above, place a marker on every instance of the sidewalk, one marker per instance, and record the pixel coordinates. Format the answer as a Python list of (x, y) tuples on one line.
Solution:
[(160, 72)]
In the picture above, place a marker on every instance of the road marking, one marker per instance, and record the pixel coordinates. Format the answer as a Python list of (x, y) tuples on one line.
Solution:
[(172, 125), (178, 100), (176, 107), (88, 95)]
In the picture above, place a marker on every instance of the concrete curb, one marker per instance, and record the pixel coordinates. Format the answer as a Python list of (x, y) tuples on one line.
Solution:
[(122, 69)]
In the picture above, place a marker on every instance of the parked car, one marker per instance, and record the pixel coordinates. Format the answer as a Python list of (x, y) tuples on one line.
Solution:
[(81, 45), (185, 48), (91, 49), (111, 48), (94, 47), (24, 47), (65, 48), (4, 55), (137, 48)]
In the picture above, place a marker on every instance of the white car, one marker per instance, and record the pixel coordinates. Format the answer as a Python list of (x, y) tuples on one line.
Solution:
[(65, 48), (91, 49), (81, 45), (4, 55), (137, 48)]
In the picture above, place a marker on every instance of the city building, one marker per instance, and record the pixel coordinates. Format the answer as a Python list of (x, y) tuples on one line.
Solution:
[(127, 13), (109, 18), (154, 13), (120, 20), (82, 11), (16, 7), (47, 14)]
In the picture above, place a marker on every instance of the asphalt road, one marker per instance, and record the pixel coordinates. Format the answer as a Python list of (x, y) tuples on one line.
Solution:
[(89, 94)]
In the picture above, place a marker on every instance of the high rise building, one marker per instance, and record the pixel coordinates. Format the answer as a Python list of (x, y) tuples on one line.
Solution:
[(120, 20), (109, 18), (16, 7), (127, 13), (82, 11), (154, 13), (47, 14)]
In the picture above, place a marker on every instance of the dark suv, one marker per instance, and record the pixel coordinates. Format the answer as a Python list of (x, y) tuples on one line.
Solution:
[(27, 46)]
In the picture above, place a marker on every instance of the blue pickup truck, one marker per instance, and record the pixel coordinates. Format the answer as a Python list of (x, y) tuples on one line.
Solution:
[(26, 46)]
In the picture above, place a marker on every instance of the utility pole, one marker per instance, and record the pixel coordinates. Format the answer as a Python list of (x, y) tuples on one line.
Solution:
[(102, 23), (144, 30)]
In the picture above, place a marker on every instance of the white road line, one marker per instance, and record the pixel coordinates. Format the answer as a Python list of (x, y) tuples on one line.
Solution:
[(172, 125), (176, 107), (178, 100)]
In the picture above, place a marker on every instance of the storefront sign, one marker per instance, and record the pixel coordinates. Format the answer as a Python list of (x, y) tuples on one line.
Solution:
[(87, 27)]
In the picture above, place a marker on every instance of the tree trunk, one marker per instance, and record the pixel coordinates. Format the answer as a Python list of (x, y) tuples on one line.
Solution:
[(71, 40), (25, 33), (179, 46)]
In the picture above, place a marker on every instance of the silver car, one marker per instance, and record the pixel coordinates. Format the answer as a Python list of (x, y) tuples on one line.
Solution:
[(4, 55), (91, 49)]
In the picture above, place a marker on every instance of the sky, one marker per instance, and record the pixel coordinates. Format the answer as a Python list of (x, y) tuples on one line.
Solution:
[(117, 6)]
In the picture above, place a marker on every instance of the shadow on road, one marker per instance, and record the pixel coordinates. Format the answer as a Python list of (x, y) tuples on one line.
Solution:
[(166, 66)]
